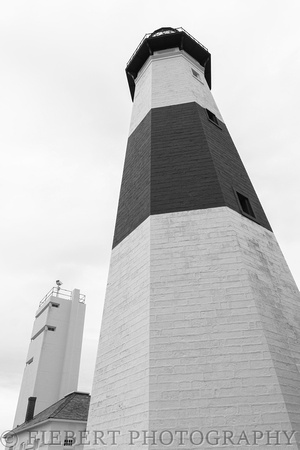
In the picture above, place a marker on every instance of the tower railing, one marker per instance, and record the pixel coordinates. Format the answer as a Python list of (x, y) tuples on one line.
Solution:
[(59, 292), (160, 33)]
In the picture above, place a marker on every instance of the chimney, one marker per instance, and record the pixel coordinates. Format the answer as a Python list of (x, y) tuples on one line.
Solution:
[(30, 408)]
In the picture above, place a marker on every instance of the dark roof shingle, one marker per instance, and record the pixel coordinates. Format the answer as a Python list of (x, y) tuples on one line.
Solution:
[(74, 406)]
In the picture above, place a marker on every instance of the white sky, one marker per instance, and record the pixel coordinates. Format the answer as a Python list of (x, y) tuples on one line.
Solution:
[(64, 117)]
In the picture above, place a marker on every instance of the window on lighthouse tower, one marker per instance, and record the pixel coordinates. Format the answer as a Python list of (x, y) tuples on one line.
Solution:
[(245, 205)]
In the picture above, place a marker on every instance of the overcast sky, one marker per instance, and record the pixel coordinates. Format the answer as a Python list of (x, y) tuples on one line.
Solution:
[(64, 117)]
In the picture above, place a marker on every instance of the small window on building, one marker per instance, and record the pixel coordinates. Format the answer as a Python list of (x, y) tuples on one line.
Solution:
[(29, 361), (212, 118), (197, 75), (55, 305), (245, 205), (68, 442), (50, 328)]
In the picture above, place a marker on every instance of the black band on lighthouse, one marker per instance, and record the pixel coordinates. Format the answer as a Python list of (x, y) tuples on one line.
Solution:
[(179, 160)]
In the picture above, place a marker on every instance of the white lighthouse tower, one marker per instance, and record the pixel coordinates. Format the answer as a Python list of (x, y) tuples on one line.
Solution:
[(201, 325), (53, 359)]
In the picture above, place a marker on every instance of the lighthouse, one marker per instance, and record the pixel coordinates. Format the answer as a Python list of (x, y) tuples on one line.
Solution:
[(201, 325)]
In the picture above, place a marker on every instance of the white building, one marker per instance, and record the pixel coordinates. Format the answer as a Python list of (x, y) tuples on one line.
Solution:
[(53, 359)]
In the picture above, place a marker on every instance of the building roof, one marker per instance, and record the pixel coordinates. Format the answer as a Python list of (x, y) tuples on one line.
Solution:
[(74, 406)]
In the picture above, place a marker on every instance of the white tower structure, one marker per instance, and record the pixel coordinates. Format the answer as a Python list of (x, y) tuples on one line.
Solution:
[(201, 324), (53, 359)]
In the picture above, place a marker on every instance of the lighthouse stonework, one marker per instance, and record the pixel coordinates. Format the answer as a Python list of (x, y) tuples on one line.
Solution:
[(199, 343)]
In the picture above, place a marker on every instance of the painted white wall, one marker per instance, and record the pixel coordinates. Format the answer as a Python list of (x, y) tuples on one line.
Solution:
[(51, 434), (167, 79), (71, 362), (47, 383), (200, 327), (224, 323), (120, 394)]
